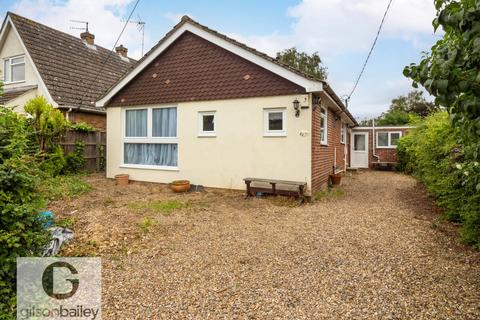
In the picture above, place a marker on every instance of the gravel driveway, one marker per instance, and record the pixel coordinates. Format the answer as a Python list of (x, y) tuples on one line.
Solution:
[(377, 252)]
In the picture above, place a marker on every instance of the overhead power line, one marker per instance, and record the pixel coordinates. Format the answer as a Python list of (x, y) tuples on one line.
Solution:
[(99, 72), (370, 52)]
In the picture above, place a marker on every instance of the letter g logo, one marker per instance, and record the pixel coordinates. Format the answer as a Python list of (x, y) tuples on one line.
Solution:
[(47, 280)]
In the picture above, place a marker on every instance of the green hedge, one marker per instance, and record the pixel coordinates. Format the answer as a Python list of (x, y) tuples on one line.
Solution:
[(433, 154)]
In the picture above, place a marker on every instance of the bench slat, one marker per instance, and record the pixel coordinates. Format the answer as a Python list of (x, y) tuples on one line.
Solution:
[(295, 183)]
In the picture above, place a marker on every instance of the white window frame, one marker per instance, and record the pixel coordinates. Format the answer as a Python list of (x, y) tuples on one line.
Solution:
[(148, 139), (389, 135), (274, 133), (324, 116), (203, 133), (10, 59), (343, 133)]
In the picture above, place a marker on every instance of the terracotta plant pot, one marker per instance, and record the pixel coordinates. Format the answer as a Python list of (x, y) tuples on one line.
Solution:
[(336, 178), (180, 185), (122, 179)]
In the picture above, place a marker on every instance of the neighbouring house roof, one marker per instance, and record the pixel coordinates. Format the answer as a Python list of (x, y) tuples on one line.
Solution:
[(9, 95), (194, 69), (163, 44), (68, 67)]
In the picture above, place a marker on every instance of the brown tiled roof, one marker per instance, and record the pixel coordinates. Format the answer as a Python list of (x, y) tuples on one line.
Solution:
[(194, 69), (67, 66), (186, 19), (12, 94)]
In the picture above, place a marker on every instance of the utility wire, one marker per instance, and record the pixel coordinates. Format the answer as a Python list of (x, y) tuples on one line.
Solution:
[(370, 52), (114, 46)]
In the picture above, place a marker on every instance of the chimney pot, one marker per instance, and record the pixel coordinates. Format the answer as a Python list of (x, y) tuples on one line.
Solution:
[(87, 37), (121, 50)]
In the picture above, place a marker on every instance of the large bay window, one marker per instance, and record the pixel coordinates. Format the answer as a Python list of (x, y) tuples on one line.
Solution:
[(150, 138)]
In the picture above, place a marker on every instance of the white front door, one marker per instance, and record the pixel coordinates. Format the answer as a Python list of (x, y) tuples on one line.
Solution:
[(359, 152)]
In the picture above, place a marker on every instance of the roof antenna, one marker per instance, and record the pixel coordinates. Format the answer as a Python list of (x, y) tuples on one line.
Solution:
[(141, 28), (85, 28)]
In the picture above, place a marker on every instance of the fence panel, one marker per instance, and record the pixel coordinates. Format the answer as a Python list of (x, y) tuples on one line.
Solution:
[(95, 147)]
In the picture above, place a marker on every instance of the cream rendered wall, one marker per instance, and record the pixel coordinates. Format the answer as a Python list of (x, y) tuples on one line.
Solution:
[(12, 47), (239, 150)]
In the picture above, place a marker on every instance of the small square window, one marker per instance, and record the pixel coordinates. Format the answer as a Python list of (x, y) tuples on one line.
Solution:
[(275, 122), (388, 139), (206, 123), (394, 137), (382, 139), (14, 69)]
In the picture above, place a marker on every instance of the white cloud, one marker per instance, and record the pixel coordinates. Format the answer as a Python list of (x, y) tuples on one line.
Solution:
[(106, 19), (342, 26)]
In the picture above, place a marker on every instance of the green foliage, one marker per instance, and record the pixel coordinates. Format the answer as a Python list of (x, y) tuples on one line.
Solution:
[(451, 73), (309, 64), (63, 187), (404, 110), (433, 154), (48, 123), (146, 224), (81, 127), (75, 160), (54, 163)]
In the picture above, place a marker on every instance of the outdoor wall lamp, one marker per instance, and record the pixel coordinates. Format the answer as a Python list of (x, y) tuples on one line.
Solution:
[(296, 106)]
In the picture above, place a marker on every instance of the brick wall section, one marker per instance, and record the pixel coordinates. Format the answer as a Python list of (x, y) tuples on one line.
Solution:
[(98, 121), (384, 154), (322, 155)]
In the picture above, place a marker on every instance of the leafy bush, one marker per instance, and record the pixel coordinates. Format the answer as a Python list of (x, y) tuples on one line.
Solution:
[(433, 154), (75, 161), (21, 234), (81, 127), (54, 163)]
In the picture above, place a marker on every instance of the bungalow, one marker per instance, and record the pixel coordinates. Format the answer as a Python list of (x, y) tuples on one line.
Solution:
[(38, 60), (204, 107)]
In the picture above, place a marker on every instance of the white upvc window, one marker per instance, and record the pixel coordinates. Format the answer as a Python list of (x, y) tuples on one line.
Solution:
[(323, 126), (343, 132), (388, 139), (150, 138), (206, 124), (275, 122), (14, 69)]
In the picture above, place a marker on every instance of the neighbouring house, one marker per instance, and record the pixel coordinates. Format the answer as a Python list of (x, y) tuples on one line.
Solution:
[(373, 147), (71, 73), (204, 107)]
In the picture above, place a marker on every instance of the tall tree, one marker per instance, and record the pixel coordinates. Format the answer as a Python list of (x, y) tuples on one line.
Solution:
[(309, 64)]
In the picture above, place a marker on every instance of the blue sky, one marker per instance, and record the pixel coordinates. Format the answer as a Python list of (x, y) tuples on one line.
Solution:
[(340, 30)]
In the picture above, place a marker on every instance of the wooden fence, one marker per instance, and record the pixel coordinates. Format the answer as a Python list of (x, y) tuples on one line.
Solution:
[(95, 147)]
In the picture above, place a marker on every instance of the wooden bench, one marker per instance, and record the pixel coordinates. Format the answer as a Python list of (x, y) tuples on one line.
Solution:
[(251, 190)]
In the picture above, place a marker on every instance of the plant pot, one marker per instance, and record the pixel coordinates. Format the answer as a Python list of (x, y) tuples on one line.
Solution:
[(336, 179), (122, 179), (180, 186)]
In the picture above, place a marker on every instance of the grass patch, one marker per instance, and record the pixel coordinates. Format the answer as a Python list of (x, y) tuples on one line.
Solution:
[(163, 207), (64, 187), (146, 224), (65, 222), (330, 193)]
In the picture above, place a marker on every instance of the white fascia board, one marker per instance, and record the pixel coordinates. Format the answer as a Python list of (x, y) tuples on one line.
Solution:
[(29, 58), (384, 128), (309, 85)]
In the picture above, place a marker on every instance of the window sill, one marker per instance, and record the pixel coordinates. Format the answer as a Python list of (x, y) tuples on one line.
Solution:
[(389, 147), (274, 134), (323, 144), (149, 167), (14, 82), (342, 143), (207, 135)]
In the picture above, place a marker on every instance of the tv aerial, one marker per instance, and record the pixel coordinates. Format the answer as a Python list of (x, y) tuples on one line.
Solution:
[(84, 28)]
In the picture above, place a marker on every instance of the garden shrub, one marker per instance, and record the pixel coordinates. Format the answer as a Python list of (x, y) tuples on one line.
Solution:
[(54, 163), (81, 127), (433, 154), (21, 234), (75, 160)]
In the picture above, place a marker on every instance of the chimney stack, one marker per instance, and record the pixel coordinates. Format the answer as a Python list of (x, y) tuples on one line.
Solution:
[(121, 50), (87, 37)]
